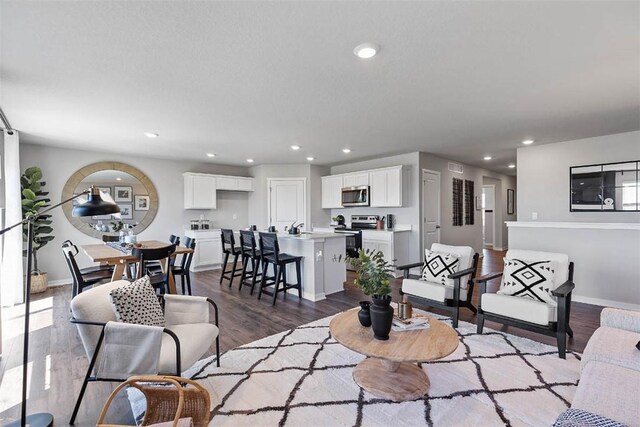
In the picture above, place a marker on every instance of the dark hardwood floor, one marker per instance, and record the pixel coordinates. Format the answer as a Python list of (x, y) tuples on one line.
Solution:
[(58, 362)]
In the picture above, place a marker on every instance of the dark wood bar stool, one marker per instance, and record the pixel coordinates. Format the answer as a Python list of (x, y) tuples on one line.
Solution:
[(270, 251), (250, 255), (229, 248)]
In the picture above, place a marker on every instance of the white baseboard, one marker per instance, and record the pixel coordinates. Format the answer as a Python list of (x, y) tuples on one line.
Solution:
[(606, 303), (61, 282)]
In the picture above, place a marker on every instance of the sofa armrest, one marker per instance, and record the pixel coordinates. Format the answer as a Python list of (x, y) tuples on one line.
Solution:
[(620, 319)]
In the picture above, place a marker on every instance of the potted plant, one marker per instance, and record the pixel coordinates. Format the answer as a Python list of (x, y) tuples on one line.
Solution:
[(373, 276), (33, 201)]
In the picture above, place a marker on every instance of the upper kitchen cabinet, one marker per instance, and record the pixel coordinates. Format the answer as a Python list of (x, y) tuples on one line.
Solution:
[(332, 191), (355, 179), (234, 183), (199, 191), (386, 187)]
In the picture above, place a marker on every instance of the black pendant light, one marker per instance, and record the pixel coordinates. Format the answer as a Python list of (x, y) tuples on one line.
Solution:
[(95, 205)]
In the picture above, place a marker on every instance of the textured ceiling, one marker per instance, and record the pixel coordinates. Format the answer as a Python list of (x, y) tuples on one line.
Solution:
[(248, 79)]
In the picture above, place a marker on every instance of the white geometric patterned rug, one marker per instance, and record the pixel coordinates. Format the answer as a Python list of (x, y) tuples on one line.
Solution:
[(302, 377)]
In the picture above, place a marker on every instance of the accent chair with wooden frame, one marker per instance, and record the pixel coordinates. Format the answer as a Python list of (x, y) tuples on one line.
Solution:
[(447, 297), (526, 313), (186, 337)]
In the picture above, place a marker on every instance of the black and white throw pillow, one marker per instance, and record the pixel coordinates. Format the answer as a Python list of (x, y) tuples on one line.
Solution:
[(528, 279), (137, 303), (438, 266)]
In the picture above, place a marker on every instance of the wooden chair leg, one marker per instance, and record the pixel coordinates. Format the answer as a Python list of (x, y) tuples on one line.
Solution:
[(224, 266), (299, 277), (244, 271), (569, 331), (456, 314), (278, 273), (562, 343), (182, 284), (233, 270), (255, 267), (284, 280), (480, 323), (263, 279)]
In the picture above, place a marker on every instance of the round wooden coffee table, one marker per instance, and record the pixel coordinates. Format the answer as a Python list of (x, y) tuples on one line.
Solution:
[(389, 371)]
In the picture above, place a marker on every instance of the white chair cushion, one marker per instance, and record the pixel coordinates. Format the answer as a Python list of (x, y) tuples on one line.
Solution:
[(94, 305), (465, 256), (195, 340), (561, 262), (439, 266), (519, 308), (529, 279), (432, 291)]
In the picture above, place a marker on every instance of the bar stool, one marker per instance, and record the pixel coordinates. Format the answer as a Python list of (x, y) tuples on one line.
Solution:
[(270, 251), (252, 254), (229, 248)]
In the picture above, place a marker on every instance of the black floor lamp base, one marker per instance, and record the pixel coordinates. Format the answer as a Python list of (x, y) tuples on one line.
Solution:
[(35, 420)]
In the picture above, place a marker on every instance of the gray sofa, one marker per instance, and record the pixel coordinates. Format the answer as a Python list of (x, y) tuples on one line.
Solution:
[(610, 372)]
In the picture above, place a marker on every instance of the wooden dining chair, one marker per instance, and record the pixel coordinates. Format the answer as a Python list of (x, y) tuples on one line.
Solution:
[(160, 281)]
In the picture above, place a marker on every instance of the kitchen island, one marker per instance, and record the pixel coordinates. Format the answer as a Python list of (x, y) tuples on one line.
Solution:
[(323, 267)]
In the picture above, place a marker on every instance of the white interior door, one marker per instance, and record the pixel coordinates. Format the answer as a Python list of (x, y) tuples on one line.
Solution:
[(430, 207), (287, 202), (488, 214)]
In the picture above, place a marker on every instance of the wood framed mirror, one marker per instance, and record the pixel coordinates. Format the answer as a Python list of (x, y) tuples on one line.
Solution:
[(130, 188)]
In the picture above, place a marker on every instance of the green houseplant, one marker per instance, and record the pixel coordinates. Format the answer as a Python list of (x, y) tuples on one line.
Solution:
[(33, 201), (373, 276)]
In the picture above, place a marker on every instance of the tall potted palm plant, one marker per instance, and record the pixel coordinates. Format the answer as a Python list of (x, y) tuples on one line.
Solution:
[(373, 276), (33, 201)]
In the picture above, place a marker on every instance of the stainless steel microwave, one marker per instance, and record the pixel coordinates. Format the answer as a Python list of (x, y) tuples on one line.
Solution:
[(355, 196)]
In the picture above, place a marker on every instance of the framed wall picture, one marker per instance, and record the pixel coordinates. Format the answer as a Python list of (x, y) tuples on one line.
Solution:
[(511, 201), (123, 194), (141, 203), (126, 211)]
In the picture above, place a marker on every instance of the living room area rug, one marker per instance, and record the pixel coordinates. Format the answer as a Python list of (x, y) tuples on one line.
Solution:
[(302, 377)]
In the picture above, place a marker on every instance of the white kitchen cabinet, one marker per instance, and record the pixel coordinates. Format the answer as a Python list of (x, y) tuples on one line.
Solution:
[(393, 244), (199, 191), (234, 183), (386, 187), (208, 252), (332, 191), (355, 179)]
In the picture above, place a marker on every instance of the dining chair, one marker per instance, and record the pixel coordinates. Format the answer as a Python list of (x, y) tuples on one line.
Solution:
[(184, 269), (80, 280), (160, 281)]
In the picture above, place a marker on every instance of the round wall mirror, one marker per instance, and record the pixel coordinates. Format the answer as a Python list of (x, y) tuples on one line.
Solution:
[(128, 187)]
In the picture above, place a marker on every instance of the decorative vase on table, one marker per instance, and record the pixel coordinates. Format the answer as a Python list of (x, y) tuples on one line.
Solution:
[(381, 316), (364, 316)]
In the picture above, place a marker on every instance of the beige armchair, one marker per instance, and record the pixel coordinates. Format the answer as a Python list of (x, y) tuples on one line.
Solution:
[(186, 337)]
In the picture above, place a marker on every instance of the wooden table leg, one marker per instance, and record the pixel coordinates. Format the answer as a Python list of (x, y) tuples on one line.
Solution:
[(397, 381), (118, 270)]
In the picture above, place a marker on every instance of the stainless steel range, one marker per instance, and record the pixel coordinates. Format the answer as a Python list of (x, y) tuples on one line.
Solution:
[(354, 239)]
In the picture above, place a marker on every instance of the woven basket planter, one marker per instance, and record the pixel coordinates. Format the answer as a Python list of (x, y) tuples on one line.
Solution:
[(39, 283)]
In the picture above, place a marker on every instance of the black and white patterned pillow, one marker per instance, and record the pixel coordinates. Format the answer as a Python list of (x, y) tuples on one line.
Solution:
[(529, 279), (438, 266), (137, 303)]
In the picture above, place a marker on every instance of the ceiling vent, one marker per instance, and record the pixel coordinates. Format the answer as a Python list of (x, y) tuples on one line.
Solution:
[(454, 167)]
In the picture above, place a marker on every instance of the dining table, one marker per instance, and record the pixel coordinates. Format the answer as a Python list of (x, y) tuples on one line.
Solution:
[(120, 257)]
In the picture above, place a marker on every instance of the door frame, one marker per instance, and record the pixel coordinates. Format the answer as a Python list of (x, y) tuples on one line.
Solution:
[(304, 197), (422, 210), (495, 217)]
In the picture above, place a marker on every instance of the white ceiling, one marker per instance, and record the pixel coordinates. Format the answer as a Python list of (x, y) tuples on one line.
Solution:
[(248, 79)]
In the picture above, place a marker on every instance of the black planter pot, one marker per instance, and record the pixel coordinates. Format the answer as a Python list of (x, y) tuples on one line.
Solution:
[(364, 316), (381, 316)]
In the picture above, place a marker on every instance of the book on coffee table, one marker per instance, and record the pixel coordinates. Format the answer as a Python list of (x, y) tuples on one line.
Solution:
[(412, 324)]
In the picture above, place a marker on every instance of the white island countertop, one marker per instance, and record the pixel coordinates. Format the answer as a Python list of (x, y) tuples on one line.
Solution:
[(311, 236)]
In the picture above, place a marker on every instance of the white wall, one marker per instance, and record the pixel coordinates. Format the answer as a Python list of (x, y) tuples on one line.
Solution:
[(59, 164), (543, 176), (258, 200)]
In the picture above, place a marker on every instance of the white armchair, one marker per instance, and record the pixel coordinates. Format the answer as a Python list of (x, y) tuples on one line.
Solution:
[(546, 317), (450, 296), (186, 337)]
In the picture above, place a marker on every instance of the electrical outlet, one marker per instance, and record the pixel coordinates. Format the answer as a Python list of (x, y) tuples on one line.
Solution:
[(235, 216), (534, 216)]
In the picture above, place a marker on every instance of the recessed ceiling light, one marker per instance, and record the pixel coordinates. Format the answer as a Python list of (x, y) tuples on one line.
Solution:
[(527, 141), (346, 150), (310, 158), (211, 155), (511, 166), (249, 160), (150, 135), (488, 157), (295, 147), (366, 50)]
